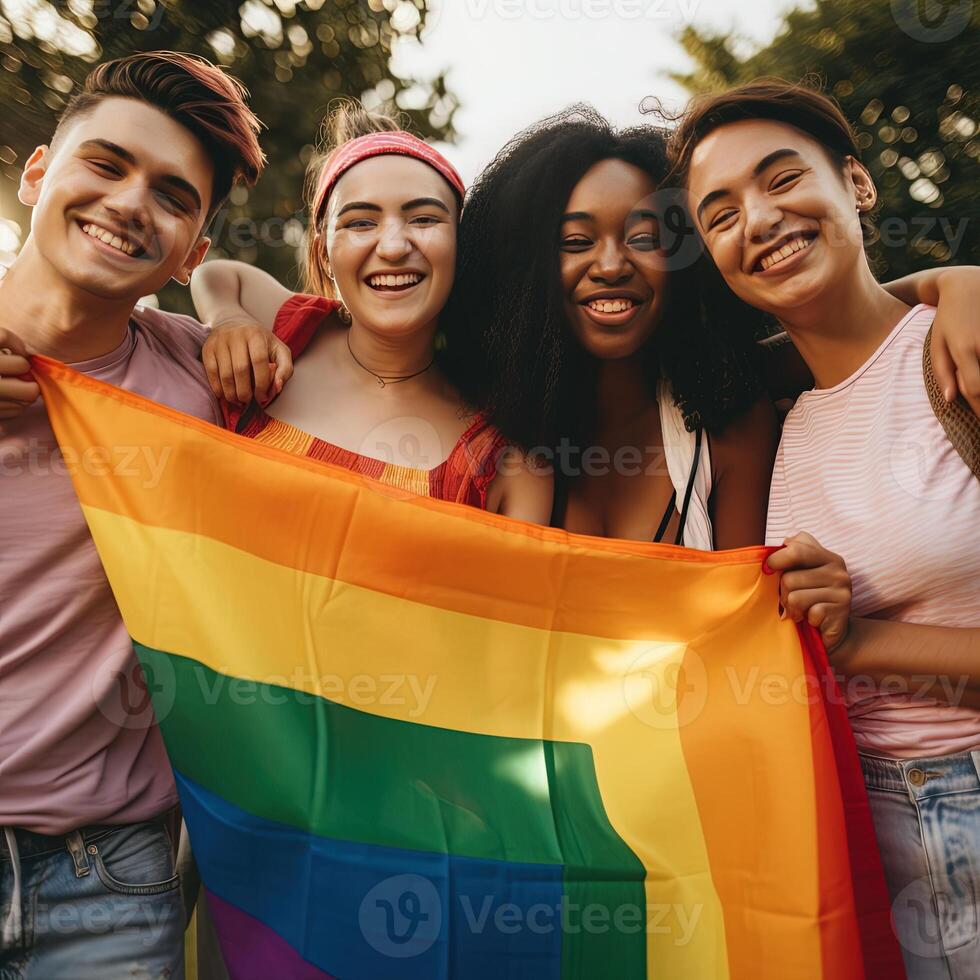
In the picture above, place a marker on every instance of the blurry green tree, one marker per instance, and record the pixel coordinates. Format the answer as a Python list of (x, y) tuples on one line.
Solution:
[(294, 56), (907, 74)]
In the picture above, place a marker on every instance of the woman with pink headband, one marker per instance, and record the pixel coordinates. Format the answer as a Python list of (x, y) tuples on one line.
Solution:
[(368, 392)]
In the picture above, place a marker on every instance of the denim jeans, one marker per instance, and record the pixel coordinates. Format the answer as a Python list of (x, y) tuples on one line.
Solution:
[(927, 819), (100, 903)]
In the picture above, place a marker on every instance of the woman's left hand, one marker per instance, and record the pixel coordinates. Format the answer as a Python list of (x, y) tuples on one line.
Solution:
[(814, 586)]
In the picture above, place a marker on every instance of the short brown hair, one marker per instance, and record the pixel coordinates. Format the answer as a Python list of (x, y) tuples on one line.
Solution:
[(802, 105), (346, 120), (195, 93)]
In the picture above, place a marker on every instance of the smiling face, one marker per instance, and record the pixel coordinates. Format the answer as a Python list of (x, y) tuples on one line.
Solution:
[(120, 200), (391, 243), (612, 270), (779, 216)]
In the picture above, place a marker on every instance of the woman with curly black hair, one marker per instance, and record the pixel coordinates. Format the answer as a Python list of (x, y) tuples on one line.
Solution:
[(580, 326)]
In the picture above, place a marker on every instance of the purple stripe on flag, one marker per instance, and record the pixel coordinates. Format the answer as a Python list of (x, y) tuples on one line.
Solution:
[(252, 951)]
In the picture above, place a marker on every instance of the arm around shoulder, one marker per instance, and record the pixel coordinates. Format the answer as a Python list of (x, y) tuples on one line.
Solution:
[(955, 292), (224, 290)]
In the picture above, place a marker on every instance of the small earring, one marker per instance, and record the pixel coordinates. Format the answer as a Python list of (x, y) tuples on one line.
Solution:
[(343, 314)]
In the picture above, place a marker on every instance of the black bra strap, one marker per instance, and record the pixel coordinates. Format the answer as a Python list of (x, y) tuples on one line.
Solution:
[(668, 514), (690, 487)]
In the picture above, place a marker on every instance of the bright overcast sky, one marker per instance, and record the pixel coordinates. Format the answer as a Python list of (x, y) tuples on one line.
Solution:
[(511, 62)]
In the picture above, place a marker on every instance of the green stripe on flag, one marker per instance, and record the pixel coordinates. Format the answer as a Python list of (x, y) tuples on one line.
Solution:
[(339, 772)]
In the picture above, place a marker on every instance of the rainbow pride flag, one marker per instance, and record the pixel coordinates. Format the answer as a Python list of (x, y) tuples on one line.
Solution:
[(413, 740)]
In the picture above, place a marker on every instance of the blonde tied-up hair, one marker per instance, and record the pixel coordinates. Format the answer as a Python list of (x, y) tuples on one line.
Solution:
[(346, 120)]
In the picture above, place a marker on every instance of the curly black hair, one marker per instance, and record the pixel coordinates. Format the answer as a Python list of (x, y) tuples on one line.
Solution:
[(509, 347)]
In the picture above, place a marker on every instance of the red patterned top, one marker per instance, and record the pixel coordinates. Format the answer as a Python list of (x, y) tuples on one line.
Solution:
[(463, 477)]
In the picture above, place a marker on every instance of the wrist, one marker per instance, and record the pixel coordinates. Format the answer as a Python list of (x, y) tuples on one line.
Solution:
[(237, 319), (851, 655), (843, 648)]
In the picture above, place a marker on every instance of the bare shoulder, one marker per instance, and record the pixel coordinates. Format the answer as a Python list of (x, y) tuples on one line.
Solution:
[(523, 487)]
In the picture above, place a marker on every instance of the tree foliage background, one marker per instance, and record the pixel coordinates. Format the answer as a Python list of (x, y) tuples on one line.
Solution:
[(907, 73), (293, 55)]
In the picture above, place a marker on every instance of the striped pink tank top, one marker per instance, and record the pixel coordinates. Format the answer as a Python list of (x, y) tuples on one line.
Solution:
[(867, 469)]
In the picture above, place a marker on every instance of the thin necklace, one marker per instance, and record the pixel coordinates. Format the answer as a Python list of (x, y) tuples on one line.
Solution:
[(393, 379)]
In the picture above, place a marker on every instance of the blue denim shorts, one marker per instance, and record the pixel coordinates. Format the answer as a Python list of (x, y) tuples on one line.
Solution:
[(96, 904), (927, 819)]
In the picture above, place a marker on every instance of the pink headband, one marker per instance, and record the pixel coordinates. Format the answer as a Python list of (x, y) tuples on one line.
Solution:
[(375, 145)]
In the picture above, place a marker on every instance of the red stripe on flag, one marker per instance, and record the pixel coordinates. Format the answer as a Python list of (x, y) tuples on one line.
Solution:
[(879, 946)]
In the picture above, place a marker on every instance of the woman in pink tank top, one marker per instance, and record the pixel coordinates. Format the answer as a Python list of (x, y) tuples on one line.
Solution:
[(866, 464)]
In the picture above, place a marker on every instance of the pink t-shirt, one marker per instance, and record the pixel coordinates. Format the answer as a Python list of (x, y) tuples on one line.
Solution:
[(867, 469), (78, 743)]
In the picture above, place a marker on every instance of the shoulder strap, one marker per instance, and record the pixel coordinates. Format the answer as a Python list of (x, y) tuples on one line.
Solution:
[(961, 426), (668, 514), (473, 460), (690, 486), (298, 319), (688, 493)]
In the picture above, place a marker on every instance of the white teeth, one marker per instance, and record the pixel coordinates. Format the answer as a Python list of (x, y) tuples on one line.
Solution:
[(783, 253), (94, 231), (406, 279), (611, 305)]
